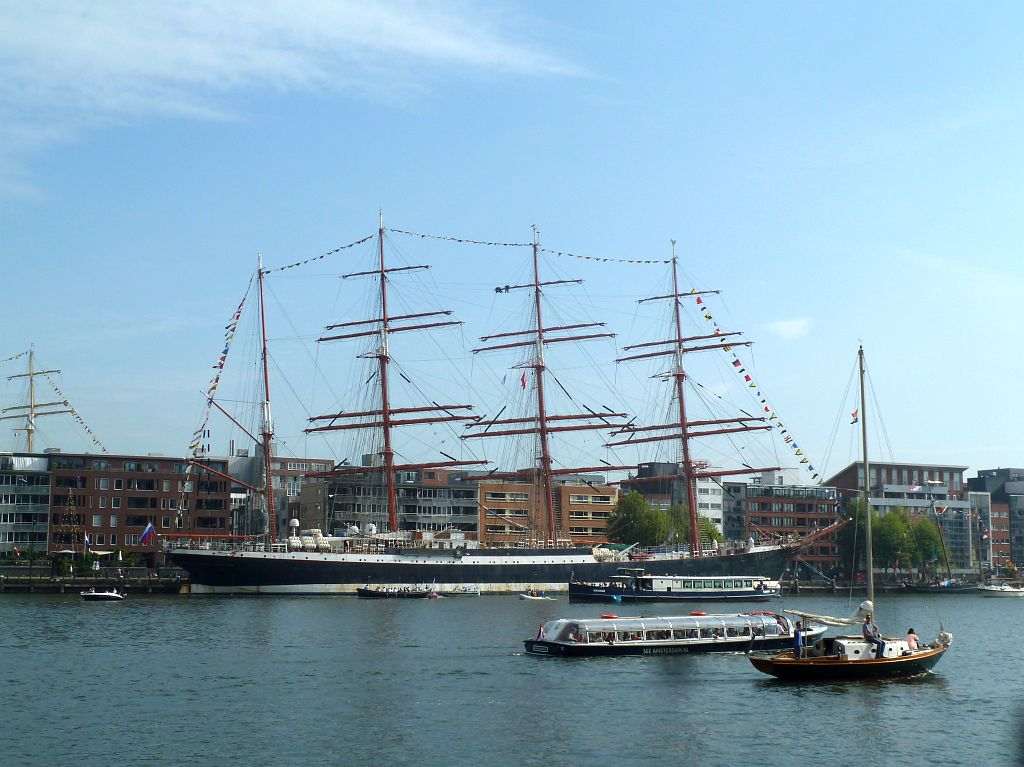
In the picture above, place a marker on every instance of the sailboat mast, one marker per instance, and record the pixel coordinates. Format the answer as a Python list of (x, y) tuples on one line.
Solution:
[(385, 400), (867, 479), (542, 418), (684, 430), (268, 430)]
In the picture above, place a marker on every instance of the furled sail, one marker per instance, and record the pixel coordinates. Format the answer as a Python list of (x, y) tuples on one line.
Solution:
[(865, 607)]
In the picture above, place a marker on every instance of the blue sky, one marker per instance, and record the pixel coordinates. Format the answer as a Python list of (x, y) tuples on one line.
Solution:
[(844, 173)]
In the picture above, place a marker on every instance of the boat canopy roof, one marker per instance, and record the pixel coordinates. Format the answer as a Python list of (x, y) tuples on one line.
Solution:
[(642, 623)]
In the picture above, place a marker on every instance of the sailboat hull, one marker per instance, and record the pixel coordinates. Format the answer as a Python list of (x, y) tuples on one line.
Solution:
[(787, 666), (492, 570)]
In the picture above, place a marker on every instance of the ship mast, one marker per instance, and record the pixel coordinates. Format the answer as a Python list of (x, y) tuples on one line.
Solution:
[(267, 423), (541, 425), (31, 407), (867, 478), (683, 429), (384, 329)]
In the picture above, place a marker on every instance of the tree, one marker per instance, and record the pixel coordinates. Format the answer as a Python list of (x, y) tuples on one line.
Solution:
[(634, 520), (925, 541), (891, 539), (679, 526)]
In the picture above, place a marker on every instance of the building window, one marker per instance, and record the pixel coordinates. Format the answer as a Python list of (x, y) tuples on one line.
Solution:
[(115, 503), (103, 502), (113, 521), (97, 520), (113, 537), (167, 485), (118, 484), (100, 539), (165, 522), (103, 483)]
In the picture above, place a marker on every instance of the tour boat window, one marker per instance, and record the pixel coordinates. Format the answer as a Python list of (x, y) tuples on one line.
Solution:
[(570, 633), (687, 584), (727, 584)]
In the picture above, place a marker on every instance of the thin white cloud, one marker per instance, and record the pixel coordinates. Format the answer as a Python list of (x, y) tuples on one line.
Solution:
[(791, 330), (68, 66)]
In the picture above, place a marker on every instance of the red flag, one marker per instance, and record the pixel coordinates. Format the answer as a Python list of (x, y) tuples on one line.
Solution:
[(523, 380)]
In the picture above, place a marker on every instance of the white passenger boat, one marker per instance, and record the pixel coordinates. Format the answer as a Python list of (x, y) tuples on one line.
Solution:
[(698, 632), (637, 585), (1000, 590)]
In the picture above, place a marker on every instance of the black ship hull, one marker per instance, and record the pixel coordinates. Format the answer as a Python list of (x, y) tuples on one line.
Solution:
[(492, 570)]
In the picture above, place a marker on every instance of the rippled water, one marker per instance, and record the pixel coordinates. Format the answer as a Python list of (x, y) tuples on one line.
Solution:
[(339, 681)]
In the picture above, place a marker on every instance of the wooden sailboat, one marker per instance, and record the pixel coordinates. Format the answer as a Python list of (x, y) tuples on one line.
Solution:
[(855, 657)]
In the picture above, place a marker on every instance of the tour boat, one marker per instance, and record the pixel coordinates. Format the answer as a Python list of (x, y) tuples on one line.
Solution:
[(106, 595), (854, 657), (697, 632), (636, 585)]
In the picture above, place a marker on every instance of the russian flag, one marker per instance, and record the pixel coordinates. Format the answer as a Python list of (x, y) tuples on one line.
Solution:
[(148, 533)]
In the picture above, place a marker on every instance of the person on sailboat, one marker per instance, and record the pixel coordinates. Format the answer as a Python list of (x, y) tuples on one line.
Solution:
[(798, 639), (913, 641), (871, 634)]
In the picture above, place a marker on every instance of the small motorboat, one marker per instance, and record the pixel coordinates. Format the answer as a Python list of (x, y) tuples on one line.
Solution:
[(105, 595), (537, 596)]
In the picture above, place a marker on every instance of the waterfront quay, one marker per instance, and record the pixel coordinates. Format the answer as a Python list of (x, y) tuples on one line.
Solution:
[(39, 580)]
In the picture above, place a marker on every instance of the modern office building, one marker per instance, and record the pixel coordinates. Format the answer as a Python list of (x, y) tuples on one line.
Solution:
[(1005, 488)]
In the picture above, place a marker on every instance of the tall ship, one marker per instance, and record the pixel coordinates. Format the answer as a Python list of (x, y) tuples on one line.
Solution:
[(306, 561)]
